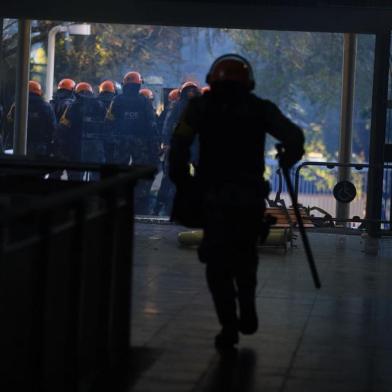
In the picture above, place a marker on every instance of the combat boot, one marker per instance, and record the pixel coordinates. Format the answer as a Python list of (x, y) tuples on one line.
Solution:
[(227, 338)]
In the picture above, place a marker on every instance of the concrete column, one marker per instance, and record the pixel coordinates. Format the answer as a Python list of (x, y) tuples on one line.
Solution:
[(1, 58), (346, 117), (377, 132), (22, 93)]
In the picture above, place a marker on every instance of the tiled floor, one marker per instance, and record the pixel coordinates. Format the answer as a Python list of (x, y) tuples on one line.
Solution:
[(337, 339)]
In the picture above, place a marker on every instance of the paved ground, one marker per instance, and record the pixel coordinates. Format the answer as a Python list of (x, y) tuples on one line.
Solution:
[(337, 339)]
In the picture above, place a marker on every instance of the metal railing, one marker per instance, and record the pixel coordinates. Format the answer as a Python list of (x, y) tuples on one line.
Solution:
[(308, 190), (65, 274)]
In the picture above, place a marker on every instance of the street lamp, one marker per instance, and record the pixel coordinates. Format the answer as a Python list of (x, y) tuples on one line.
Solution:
[(76, 29)]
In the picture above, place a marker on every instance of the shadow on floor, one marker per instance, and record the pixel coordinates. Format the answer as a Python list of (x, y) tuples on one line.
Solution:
[(139, 360), (231, 373)]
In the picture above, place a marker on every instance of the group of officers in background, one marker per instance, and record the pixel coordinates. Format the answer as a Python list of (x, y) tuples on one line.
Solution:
[(117, 126)]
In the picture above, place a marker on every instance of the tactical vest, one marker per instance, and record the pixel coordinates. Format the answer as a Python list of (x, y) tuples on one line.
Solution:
[(93, 135), (131, 117)]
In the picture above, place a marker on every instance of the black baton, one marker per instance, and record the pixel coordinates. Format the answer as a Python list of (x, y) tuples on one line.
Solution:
[(305, 240)]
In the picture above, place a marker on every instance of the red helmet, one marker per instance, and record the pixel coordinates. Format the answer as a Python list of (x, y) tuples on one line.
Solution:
[(188, 84), (83, 87), (66, 84), (174, 95), (132, 77), (147, 93), (189, 90), (107, 86), (35, 87), (231, 67)]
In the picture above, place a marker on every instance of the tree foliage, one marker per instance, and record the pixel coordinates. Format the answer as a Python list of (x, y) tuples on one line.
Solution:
[(302, 72), (112, 50)]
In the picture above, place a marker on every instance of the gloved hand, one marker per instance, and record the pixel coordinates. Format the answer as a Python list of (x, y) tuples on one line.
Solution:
[(288, 157)]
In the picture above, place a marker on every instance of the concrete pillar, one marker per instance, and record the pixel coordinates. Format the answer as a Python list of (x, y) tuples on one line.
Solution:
[(377, 133), (22, 93), (346, 117), (1, 59)]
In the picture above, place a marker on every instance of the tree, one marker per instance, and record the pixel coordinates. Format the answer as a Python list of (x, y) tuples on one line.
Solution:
[(302, 73), (112, 50)]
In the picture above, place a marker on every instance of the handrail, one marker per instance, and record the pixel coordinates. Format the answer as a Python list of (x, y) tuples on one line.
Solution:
[(129, 174), (17, 162)]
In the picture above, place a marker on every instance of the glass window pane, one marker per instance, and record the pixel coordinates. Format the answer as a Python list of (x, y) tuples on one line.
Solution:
[(300, 71)]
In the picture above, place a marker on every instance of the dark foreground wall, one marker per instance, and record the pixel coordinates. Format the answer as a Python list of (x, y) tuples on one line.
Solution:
[(65, 280)]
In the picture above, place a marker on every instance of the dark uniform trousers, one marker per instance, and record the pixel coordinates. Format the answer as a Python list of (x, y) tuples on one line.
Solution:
[(233, 221)]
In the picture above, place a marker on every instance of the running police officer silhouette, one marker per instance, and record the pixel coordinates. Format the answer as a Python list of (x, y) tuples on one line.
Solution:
[(230, 121)]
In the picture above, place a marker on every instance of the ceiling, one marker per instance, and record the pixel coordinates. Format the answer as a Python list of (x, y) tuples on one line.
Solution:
[(361, 16)]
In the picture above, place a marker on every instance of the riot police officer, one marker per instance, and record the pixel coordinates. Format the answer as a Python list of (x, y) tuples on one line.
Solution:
[(131, 119), (148, 94), (172, 99), (166, 189), (106, 92), (153, 206), (80, 131), (41, 122), (187, 91), (230, 124), (63, 97)]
